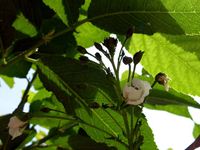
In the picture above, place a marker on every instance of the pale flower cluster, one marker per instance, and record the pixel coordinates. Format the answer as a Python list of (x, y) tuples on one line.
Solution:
[(135, 92)]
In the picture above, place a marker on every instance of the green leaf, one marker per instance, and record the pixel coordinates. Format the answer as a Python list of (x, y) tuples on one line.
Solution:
[(172, 97), (174, 109), (67, 10), (72, 10), (148, 136), (163, 56), (35, 11), (85, 143), (59, 136), (87, 33), (41, 94), (31, 135), (8, 13), (18, 69), (71, 72), (186, 42), (37, 84), (62, 45), (24, 26), (58, 7), (8, 80), (148, 16), (85, 7), (50, 119), (196, 130), (66, 71), (105, 128)]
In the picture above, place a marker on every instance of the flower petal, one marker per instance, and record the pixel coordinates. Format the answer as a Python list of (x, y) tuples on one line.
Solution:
[(16, 127)]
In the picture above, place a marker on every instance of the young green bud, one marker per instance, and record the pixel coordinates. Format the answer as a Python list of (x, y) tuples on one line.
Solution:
[(127, 60), (98, 56), (81, 49), (137, 57)]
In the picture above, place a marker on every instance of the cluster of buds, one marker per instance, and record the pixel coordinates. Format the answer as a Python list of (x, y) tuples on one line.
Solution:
[(136, 90)]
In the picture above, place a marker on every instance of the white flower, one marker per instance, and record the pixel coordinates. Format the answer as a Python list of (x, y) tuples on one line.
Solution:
[(16, 127), (135, 93)]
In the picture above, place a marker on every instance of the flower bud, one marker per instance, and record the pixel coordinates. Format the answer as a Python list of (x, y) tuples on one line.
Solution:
[(127, 60), (98, 56), (110, 43), (83, 59), (130, 32), (162, 79), (81, 49), (98, 46), (137, 57)]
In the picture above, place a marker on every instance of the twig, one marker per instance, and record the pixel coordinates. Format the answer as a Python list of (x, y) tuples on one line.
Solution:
[(120, 55), (195, 144), (25, 95)]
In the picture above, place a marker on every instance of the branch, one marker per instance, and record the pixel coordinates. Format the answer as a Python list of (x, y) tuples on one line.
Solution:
[(25, 95), (195, 144)]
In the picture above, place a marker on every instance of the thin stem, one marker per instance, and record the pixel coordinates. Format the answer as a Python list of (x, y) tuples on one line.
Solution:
[(25, 95), (81, 122), (132, 128), (132, 113), (54, 117), (115, 69), (101, 63), (133, 73), (120, 55), (7, 142), (154, 83), (23, 54), (41, 42), (43, 140), (129, 73), (125, 118), (117, 87)]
